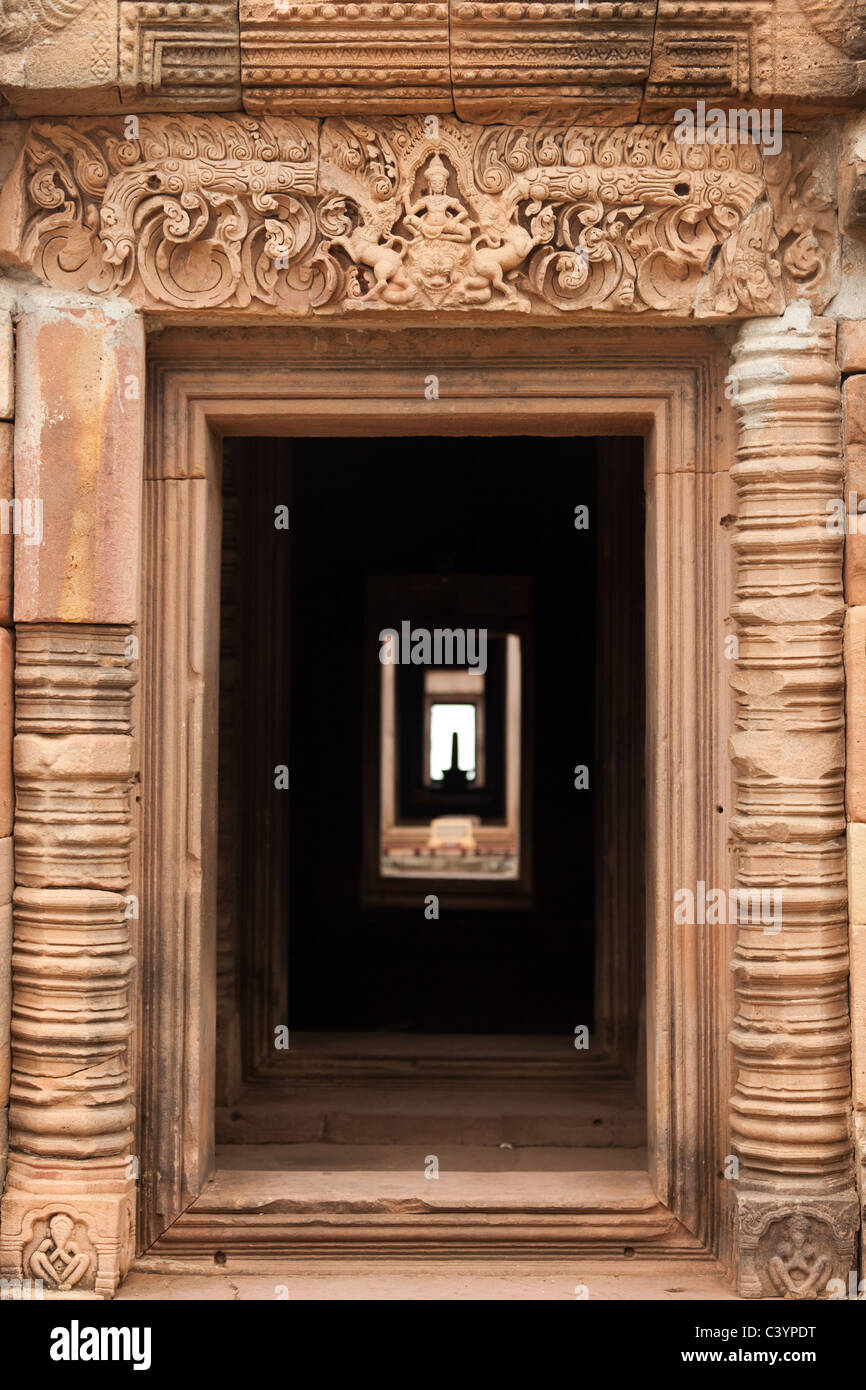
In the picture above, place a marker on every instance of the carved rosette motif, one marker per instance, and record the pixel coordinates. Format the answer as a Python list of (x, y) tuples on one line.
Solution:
[(790, 1111), (27, 21), (237, 212), (71, 1096)]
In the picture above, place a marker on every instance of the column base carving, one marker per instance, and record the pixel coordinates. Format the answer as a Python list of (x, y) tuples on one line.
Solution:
[(71, 1225), (789, 1247)]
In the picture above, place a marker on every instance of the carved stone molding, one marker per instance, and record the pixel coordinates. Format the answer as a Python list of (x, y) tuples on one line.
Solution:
[(717, 49), (550, 61), (71, 1105), (277, 215), (317, 58), (179, 53), (484, 60), (790, 1110)]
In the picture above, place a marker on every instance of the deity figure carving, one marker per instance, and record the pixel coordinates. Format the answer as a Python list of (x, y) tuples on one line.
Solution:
[(57, 1258)]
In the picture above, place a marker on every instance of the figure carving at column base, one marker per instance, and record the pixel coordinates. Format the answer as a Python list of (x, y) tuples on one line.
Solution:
[(793, 1249), (70, 1226)]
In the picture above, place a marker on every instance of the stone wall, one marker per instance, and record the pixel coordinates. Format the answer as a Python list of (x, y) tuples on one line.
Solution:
[(852, 356), (7, 403)]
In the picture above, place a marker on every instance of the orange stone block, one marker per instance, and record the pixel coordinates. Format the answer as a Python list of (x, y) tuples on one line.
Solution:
[(6, 518), (78, 466), (855, 712), (851, 345), (7, 366), (7, 794), (854, 400)]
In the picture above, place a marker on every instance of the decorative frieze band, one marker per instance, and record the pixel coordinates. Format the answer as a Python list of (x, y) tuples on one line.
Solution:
[(790, 1112), (486, 60), (416, 214)]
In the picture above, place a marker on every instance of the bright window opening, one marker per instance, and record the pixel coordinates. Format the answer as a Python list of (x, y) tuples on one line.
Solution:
[(452, 740)]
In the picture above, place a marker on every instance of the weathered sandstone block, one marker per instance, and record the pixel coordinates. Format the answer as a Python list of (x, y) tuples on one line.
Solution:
[(855, 710), (7, 366), (851, 345), (7, 795), (370, 57), (78, 453), (857, 871), (6, 492), (59, 56), (858, 1006), (186, 55)]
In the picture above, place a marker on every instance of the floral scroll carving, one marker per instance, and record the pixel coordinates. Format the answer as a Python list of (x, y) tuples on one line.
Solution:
[(510, 218), (805, 221), (412, 213), (188, 214)]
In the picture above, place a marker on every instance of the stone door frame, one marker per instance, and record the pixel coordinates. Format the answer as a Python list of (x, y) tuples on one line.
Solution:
[(779, 1102), (490, 381)]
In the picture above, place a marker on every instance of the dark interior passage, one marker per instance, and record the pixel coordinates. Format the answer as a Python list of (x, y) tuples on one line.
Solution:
[(428, 507)]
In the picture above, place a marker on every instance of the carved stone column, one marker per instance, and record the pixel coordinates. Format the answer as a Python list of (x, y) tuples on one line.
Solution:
[(69, 1208), (795, 1204)]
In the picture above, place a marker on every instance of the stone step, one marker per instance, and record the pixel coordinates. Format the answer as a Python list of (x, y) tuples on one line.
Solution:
[(604, 1279), (602, 1115), (330, 1192), (247, 1214), (340, 1057), (401, 1158)]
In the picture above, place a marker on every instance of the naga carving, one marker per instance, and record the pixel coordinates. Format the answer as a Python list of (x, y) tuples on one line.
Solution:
[(411, 213)]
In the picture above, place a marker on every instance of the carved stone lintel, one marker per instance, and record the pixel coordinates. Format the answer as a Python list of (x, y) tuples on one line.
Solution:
[(272, 214), (549, 61)]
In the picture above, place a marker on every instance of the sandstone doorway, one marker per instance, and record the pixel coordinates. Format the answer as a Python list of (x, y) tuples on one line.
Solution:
[(376, 1044), (368, 387)]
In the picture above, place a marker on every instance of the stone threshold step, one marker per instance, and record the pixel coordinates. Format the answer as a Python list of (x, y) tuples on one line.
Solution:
[(388, 1190), (407, 1158), (604, 1115), (533, 1057), (349, 1280), (263, 1213)]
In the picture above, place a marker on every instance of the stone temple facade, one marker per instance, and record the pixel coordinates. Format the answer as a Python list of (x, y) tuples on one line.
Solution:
[(223, 220)]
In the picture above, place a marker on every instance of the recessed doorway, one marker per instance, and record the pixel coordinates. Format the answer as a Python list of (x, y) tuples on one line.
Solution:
[(432, 927)]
